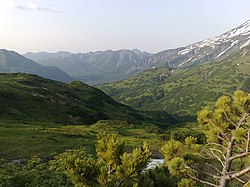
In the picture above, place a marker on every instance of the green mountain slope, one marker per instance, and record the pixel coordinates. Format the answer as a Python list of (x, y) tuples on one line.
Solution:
[(185, 91), (32, 98), (39, 116)]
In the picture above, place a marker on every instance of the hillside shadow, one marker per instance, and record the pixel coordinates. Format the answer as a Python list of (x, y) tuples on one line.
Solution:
[(164, 119)]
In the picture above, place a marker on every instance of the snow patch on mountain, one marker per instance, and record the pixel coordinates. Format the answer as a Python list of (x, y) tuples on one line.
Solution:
[(245, 44), (243, 30), (232, 44), (216, 46)]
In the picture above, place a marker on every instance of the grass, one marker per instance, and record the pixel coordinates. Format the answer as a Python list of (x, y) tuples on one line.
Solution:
[(34, 98), (26, 139), (39, 117)]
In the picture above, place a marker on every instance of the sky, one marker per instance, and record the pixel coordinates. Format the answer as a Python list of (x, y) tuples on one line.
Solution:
[(93, 25)]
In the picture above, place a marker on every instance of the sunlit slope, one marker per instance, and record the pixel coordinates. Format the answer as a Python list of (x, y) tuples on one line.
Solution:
[(185, 91)]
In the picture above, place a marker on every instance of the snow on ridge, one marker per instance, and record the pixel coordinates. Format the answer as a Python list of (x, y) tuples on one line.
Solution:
[(181, 64), (184, 62), (246, 23), (245, 44), (185, 51), (232, 44), (243, 30), (246, 33)]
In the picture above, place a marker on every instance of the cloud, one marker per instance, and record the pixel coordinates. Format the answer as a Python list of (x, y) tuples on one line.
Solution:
[(31, 6)]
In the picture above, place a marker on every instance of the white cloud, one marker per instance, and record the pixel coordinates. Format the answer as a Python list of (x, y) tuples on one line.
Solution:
[(30, 5), (9, 4)]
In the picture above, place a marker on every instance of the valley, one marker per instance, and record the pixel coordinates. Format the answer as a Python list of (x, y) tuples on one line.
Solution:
[(98, 118), (45, 116)]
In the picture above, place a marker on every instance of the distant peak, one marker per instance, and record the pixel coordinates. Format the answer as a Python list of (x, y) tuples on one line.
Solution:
[(136, 50), (246, 23), (139, 52), (63, 52), (5, 50), (242, 30)]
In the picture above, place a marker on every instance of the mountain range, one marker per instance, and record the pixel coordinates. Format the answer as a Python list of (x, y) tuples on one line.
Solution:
[(95, 67), (12, 62), (108, 66), (208, 50), (183, 91), (161, 91)]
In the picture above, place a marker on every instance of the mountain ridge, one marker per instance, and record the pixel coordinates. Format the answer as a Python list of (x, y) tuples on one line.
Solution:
[(183, 91), (109, 66), (13, 62), (94, 66), (211, 49)]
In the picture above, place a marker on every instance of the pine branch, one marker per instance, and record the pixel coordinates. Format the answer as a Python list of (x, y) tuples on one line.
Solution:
[(214, 176), (248, 141), (246, 153), (213, 167), (240, 173), (217, 157), (239, 156), (242, 150), (219, 145), (246, 184), (120, 183), (242, 121), (219, 151), (220, 131), (229, 120), (240, 180), (202, 181)]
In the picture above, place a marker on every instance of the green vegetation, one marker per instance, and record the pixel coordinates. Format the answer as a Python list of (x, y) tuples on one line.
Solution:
[(186, 91), (75, 167), (65, 126), (31, 98), (34, 173), (24, 140), (112, 167), (39, 116), (224, 160)]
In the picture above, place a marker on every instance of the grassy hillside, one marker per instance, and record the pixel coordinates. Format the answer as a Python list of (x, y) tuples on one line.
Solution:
[(39, 116), (29, 97), (185, 91)]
